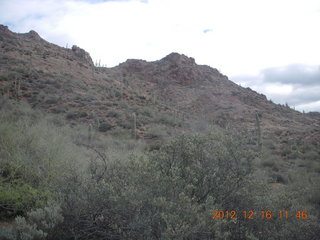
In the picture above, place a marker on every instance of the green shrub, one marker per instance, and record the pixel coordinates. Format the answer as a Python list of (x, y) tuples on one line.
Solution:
[(105, 126), (36, 225), (108, 188), (156, 132), (164, 118), (268, 162), (34, 154), (75, 115), (18, 197), (125, 124), (269, 144), (52, 100), (113, 114), (311, 155), (72, 115)]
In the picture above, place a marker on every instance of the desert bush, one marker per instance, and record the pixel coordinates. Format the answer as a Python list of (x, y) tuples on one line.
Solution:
[(59, 109), (105, 126), (111, 188), (311, 155), (270, 160), (52, 100), (203, 172), (34, 155), (165, 194), (146, 111), (38, 224), (157, 131), (164, 118), (285, 151), (269, 143), (125, 123), (17, 197), (76, 114), (113, 114), (143, 120)]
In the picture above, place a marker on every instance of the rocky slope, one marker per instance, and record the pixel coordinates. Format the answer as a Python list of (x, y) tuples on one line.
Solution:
[(65, 81)]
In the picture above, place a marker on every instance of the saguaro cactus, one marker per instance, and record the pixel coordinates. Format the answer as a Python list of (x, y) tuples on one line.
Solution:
[(154, 99), (259, 134), (90, 130), (134, 126), (16, 88)]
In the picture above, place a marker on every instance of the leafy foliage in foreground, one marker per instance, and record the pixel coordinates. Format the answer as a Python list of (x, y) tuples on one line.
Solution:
[(57, 183)]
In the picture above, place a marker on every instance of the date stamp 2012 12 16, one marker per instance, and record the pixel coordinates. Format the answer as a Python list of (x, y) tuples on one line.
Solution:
[(265, 214)]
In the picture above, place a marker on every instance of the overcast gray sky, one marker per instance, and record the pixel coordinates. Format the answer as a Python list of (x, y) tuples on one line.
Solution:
[(272, 46)]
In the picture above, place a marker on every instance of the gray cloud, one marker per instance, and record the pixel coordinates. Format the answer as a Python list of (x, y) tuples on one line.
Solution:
[(293, 74), (298, 85), (303, 95)]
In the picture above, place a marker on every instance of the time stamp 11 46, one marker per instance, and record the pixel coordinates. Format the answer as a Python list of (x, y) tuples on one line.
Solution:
[(266, 214)]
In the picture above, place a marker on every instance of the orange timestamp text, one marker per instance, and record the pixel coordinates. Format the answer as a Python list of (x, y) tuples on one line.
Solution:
[(265, 214)]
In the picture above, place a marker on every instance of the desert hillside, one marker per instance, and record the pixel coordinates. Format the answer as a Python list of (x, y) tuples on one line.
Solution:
[(65, 81), (161, 150)]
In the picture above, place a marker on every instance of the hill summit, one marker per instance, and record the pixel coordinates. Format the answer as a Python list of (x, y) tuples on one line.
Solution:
[(66, 81)]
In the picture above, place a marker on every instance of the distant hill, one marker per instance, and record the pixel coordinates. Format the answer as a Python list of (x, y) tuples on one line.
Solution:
[(168, 91)]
